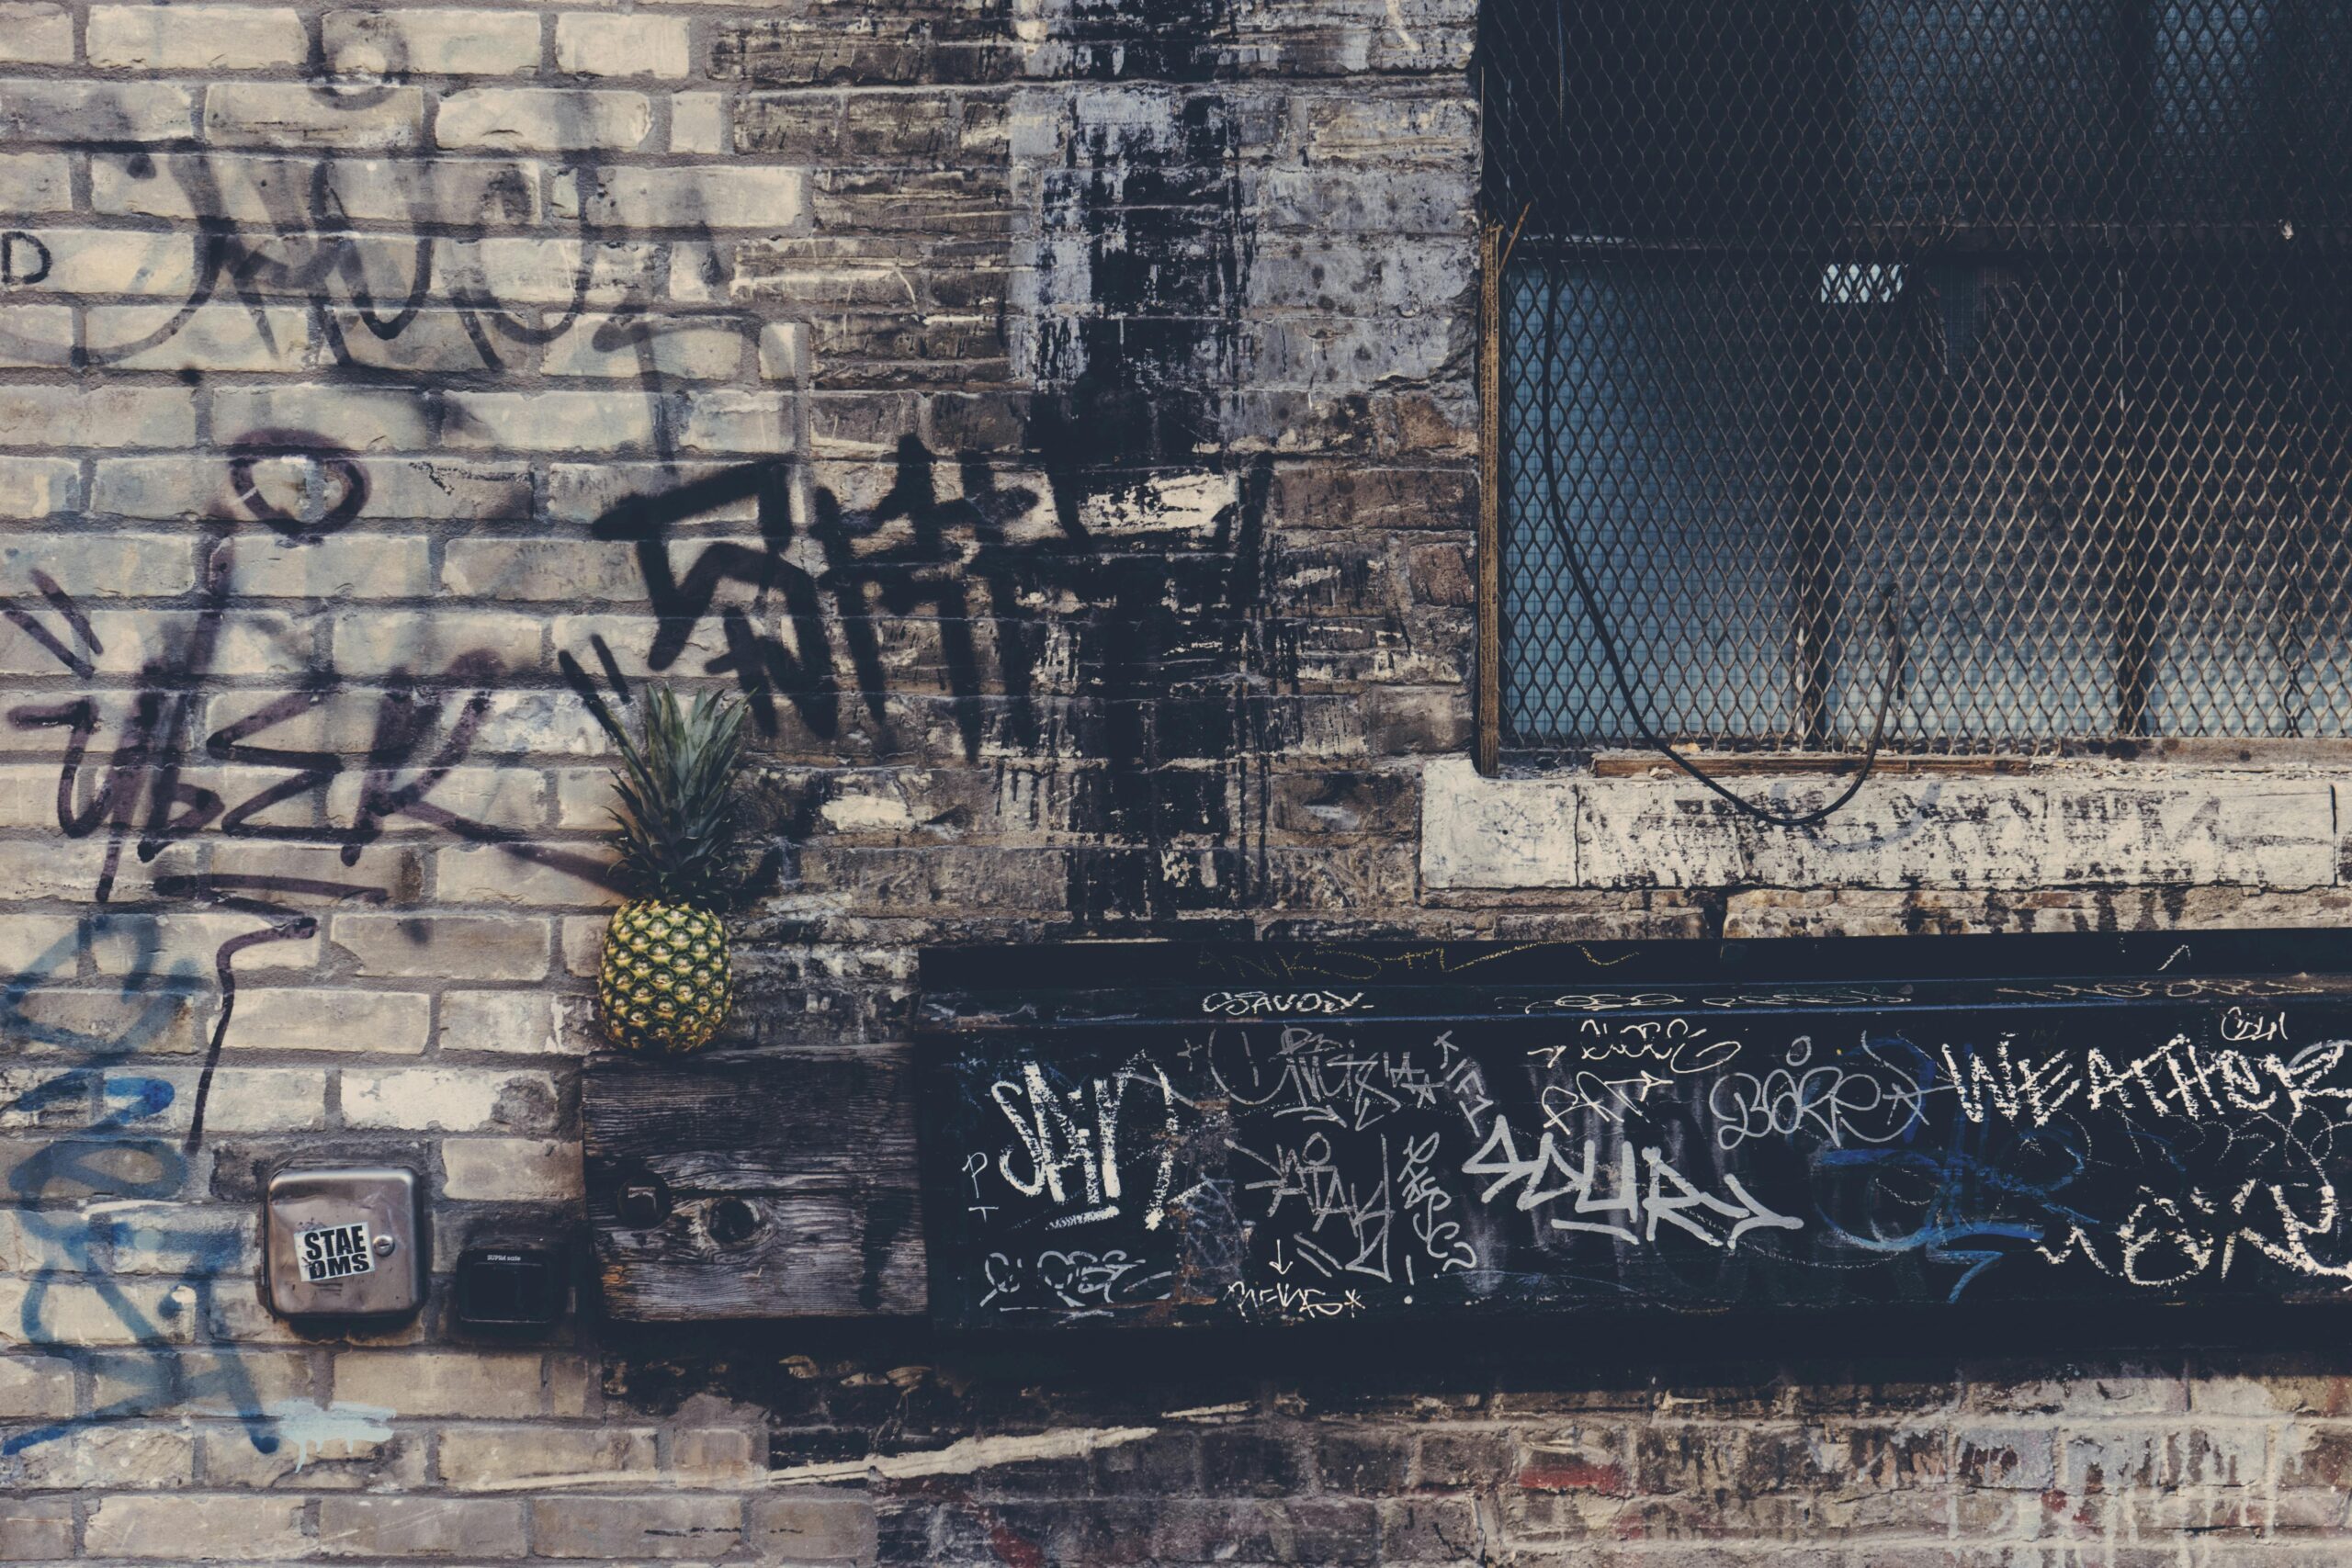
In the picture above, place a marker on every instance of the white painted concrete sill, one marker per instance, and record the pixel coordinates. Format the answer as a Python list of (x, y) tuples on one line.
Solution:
[(2064, 823)]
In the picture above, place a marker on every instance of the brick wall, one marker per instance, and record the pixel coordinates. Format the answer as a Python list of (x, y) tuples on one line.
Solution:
[(1057, 418)]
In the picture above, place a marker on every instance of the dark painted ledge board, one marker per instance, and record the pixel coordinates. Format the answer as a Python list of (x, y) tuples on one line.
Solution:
[(768, 1186), (1170, 1135)]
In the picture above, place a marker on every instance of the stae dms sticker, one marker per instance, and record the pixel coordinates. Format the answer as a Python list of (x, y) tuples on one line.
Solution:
[(336, 1252)]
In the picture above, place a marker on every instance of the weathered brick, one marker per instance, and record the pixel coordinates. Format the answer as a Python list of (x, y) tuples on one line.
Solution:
[(33, 32), (541, 569), (421, 1527), (450, 1099), (544, 119), (614, 347), (698, 123), (359, 418), (95, 111), (591, 44), (41, 182), (212, 337), (380, 641), (40, 1387), (343, 566), (524, 876), (813, 1528), (497, 1456), (240, 1529), (38, 487), (35, 1530), (379, 1023), (551, 422), (511, 1170), (719, 197), (430, 41), (526, 1021), (452, 947), (282, 115), (648, 1526), (126, 945), (500, 1384), (759, 424), (196, 38), (144, 564), (97, 417), (36, 336), (114, 1458)]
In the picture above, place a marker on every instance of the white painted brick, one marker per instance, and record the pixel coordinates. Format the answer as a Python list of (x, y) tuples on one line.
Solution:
[(544, 119), (262, 191), (429, 41), (36, 34), (587, 44), (196, 38), (1499, 833)]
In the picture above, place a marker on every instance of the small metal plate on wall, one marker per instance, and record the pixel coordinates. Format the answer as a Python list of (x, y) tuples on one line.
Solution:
[(344, 1243)]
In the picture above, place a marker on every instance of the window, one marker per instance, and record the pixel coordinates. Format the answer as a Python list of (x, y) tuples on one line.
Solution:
[(1987, 353)]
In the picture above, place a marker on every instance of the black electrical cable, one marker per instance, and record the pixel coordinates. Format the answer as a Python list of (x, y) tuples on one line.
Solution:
[(1890, 626)]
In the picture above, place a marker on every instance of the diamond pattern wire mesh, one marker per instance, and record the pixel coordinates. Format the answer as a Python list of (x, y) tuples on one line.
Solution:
[(1996, 348)]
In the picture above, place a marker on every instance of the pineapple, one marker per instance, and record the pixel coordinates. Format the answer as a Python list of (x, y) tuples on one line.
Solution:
[(664, 982)]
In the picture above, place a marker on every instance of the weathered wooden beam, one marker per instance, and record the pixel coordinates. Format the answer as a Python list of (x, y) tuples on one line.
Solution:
[(781, 1185)]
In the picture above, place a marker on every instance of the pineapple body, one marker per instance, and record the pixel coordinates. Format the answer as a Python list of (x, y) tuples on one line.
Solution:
[(664, 983)]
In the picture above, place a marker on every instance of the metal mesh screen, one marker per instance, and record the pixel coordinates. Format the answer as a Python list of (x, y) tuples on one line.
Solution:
[(1993, 351)]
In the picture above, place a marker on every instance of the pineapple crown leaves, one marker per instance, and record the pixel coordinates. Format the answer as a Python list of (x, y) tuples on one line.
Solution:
[(676, 826)]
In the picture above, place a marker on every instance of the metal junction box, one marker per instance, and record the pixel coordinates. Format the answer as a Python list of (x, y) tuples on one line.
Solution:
[(344, 1243)]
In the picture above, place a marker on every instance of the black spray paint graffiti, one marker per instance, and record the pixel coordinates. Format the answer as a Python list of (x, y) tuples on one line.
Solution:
[(137, 798), (1167, 657), (119, 1158)]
